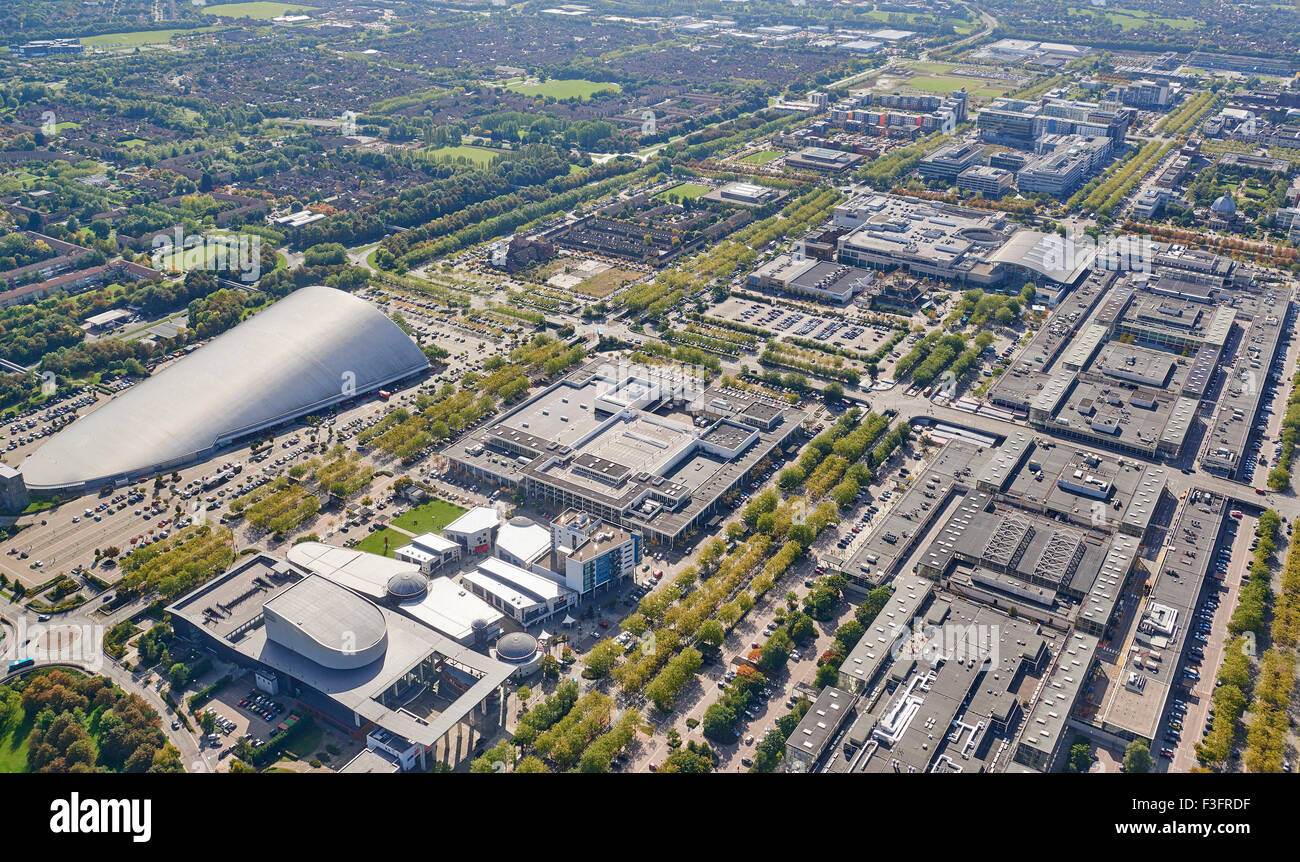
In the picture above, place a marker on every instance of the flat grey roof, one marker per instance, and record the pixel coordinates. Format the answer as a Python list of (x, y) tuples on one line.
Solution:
[(872, 652), (821, 722), (1065, 679)]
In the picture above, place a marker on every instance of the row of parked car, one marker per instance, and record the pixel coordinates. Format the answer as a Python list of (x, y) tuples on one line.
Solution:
[(261, 706)]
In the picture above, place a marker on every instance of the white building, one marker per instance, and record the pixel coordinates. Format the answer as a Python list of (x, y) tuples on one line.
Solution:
[(523, 543), (475, 531), (453, 611), (429, 551), (524, 596)]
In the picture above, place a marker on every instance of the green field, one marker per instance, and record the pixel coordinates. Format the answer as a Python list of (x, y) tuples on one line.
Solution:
[(958, 25), (1135, 19), (374, 543), (13, 746), (429, 518), (184, 260), (261, 11), (138, 38), (933, 77), (761, 157), (689, 191), (480, 156), (557, 89)]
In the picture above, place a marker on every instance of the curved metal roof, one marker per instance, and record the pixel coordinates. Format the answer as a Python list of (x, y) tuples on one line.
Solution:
[(516, 646), (406, 585), (313, 348), (1050, 255), (326, 623), (1224, 205)]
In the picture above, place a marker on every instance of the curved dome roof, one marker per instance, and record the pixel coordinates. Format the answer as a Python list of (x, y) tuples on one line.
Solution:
[(322, 621), (516, 646), (315, 347), (407, 585), (1224, 205)]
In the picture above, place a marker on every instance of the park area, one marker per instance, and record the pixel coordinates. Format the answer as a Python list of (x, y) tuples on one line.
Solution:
[(480, 157), (935, 77), (138, 38), (261, 11), (1129, 20), (428, 518), (573, 88), (684, 191)]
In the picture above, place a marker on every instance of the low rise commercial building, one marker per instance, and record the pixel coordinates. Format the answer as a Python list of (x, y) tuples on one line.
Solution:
[(651, 449), (803, 277)]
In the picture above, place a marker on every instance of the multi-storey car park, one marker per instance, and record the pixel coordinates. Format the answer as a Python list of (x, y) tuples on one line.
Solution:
[(1150, 648), (1270, 317)]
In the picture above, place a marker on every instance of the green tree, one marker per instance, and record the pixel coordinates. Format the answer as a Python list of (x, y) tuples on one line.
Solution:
[(178, 675), (711, 632), (602, 658), (1137, 757), (694, 759), (1080, 759)]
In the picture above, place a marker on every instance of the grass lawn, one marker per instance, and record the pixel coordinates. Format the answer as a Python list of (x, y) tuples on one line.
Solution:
[(959, 25), (1129, 20), (605, 283), (305, 745), (374, 543), (261, 11), (690, 191), (137, 38), (561, 89), (761, 157), (481, 156), (943, 84), (184, 260), (429, 518), (13, 746)]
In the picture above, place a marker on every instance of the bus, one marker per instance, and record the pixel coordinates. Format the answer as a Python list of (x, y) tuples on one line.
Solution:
[(20, 664)]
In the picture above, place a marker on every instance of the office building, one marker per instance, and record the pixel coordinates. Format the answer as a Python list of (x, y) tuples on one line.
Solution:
[(1146, 94), (946, 163), (990, 182), (590, 554)]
